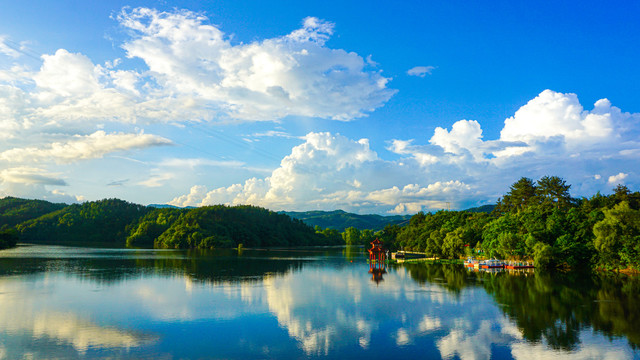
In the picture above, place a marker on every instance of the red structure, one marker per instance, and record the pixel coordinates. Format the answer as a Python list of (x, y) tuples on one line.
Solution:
[(377, 263), (376, 253)]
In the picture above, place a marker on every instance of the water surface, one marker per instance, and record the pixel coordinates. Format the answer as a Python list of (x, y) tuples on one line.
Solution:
[(67, 302)]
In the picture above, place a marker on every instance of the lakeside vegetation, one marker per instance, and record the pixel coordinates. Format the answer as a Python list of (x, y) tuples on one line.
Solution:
[(538, 221)]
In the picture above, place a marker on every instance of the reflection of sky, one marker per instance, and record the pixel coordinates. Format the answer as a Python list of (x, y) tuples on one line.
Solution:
[(319, 310)]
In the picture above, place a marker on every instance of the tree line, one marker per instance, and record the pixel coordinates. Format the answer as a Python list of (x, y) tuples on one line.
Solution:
[(534, 220), (115, 222)]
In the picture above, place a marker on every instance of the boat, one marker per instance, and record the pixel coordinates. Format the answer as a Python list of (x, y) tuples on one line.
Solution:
[(492, 264), (470, 262), (519, 265), (398, 255)]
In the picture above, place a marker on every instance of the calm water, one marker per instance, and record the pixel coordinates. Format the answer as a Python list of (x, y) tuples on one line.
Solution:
[(63, 302)]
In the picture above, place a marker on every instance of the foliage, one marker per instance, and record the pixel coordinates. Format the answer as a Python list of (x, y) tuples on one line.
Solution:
[(13, 211), (537, 221), (116, 223), (224, 226), (104, 221), (617, 236), (8, 238)]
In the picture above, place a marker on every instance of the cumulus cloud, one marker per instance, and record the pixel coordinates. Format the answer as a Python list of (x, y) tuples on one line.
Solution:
[(457, 168), (421, 71), (551, 134), (617, 179), (295, 74), (194, 73), (330, 171), (557, 118)]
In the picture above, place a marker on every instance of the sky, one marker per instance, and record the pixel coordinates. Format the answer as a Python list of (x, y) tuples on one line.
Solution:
[(366, 106)]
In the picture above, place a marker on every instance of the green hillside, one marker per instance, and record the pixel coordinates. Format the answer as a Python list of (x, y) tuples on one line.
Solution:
[(13, 210), (116, 222)]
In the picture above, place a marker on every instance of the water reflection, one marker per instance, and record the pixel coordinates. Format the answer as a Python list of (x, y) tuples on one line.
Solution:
[(554, 309), (96, 303), (377, 270)]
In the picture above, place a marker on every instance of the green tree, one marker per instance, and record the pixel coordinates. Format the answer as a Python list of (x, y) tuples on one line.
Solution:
[(8, 238), (617, 236), (351, 236), (553, 190), (521, 194), (543, 255)]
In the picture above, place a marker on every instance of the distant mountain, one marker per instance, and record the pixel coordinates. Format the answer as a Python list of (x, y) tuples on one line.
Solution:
[(483, 208), (341, 220), (167, 206)]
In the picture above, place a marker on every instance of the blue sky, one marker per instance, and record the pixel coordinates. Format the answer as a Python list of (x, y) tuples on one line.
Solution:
[(369, 107)]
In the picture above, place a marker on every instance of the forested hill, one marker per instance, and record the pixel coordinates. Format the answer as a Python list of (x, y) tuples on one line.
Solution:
[(13, 210), (117, 222), (341, 220), (536, 220)]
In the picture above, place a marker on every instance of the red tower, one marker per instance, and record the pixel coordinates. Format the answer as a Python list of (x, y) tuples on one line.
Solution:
[(377, 257), (376, 253)]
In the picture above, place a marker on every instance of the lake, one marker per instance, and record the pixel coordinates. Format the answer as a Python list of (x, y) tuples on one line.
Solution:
[(61, 302)]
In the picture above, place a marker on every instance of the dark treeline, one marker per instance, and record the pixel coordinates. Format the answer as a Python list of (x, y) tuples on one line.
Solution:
[(535, 220), (116, 222)]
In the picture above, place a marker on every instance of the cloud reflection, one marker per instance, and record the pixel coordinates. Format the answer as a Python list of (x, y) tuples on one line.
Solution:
[(25, 311)]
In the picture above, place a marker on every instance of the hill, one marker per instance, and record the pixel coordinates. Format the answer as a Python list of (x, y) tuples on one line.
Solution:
[(481, 209), (104, 221), (115, 222), (340, 220), (13, 210)]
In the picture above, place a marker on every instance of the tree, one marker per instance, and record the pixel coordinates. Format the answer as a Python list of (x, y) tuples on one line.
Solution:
[(520, 194), (351, 236), (622, 193), (8, 238), (554, 190), (542, 255), (617, 236)]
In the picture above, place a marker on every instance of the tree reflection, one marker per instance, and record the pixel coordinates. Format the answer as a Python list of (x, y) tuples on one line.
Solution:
[(110, 266), (555, 308), (451, 277)]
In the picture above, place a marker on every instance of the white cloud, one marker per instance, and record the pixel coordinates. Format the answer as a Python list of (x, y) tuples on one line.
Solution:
[(617, 179), (552, 114), (83, 147), (34, 183), (421, 71), (156, 180), (30, 175), (331, 171), (67, 75), (295, 74), (457, 169), (193, 73)]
